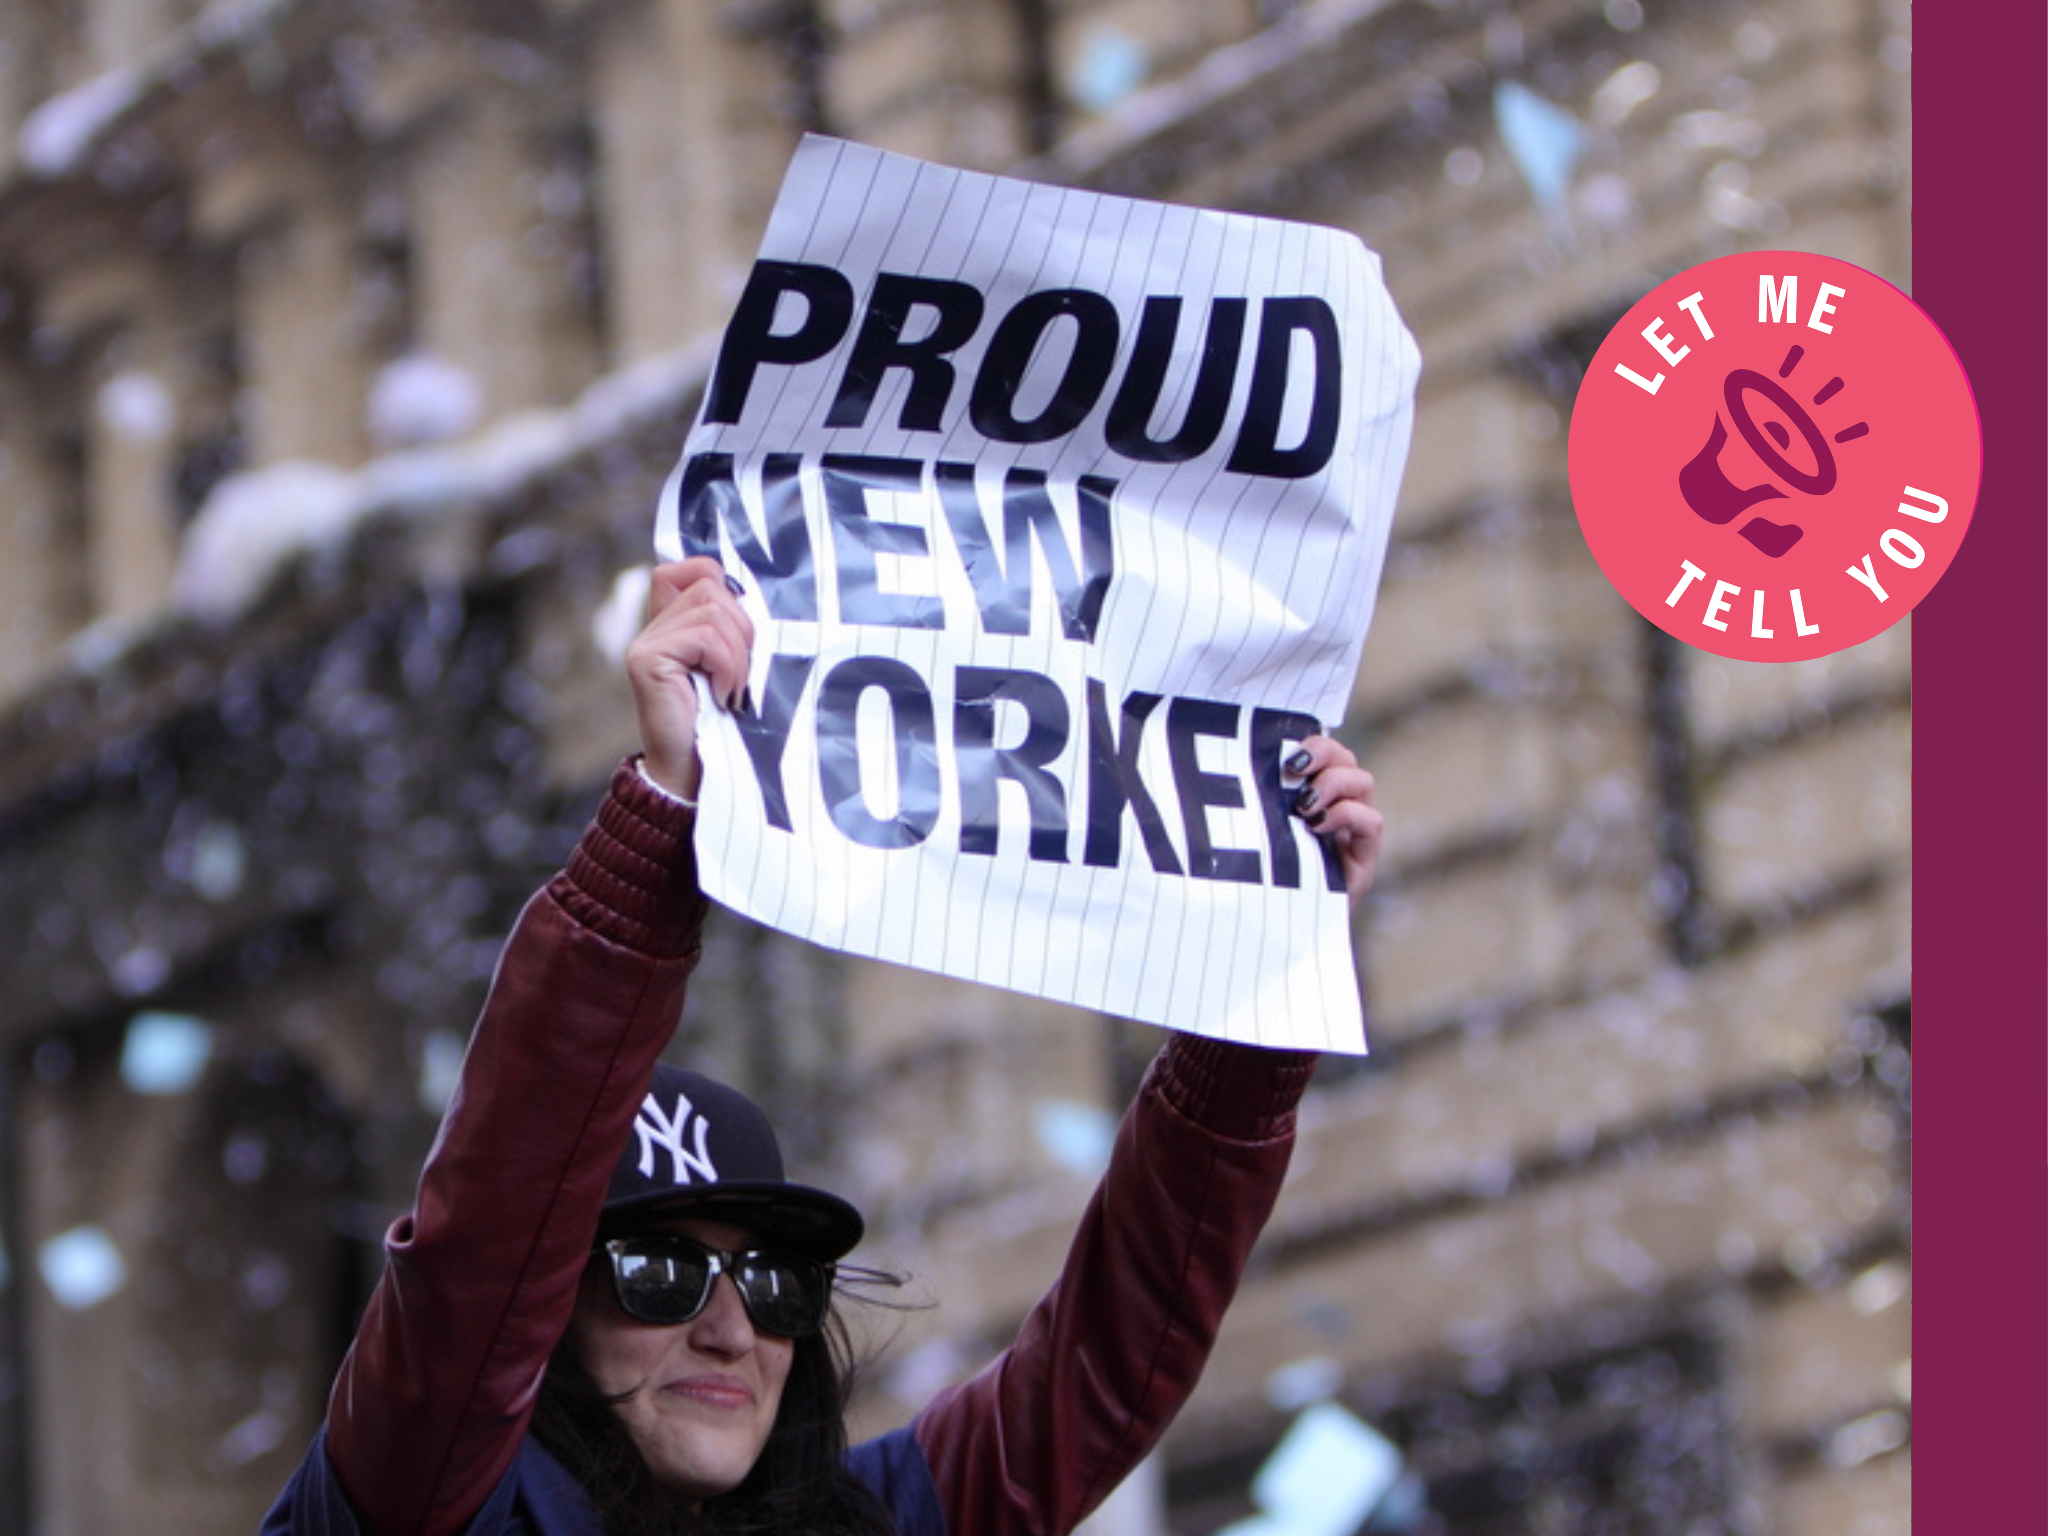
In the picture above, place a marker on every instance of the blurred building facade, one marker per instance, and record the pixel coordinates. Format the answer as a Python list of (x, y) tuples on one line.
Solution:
[(343, 346)]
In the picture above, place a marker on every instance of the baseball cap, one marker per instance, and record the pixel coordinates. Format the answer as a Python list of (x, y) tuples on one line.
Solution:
[(701, 1148)]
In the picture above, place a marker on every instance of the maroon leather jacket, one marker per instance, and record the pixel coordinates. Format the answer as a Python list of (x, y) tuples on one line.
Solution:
[(432, 1404)]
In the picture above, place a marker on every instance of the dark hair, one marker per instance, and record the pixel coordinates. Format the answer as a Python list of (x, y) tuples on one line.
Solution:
[(799, 1483)]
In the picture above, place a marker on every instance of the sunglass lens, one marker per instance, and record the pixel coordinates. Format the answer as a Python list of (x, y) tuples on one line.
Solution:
[(784, 1296), (663, 1282)]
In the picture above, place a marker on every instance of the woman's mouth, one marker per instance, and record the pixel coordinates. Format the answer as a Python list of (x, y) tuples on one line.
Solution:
[(721, 1392)]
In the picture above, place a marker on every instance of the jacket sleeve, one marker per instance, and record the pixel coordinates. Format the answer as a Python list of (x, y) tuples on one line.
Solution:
[(1041, 1436), (480, 1278)]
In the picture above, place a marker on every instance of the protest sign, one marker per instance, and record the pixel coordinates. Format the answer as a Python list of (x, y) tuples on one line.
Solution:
[(1060, 518)]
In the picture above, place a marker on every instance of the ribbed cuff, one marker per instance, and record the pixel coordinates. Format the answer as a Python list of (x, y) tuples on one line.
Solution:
[(633, 876), (1245, 1092), (640, 767)]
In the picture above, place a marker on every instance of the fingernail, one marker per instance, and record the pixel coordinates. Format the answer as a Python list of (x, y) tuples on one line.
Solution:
[(732, 585), (1317, 819), (747, 700), (1298, 763), (1305, 799)]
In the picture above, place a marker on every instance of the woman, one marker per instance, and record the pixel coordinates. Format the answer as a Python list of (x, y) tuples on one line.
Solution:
[(609, 1310)]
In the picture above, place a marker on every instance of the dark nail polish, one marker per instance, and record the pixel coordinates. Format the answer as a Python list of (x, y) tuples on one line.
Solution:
[(732, 585), (1316, 820), (1305, 799), (1298, 763), (747, 700)]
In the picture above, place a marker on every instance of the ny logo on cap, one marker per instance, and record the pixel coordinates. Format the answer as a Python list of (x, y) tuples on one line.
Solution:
[(658, 1130)]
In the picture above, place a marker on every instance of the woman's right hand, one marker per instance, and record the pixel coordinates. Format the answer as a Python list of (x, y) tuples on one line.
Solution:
[(694, 624)]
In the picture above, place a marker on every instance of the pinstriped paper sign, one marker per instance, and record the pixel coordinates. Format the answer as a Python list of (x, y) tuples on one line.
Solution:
[(1060, 519)]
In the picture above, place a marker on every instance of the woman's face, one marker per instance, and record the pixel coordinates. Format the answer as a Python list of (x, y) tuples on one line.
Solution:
[(701, 1396)]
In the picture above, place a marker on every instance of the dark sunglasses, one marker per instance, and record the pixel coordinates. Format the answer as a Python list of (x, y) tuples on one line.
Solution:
[(663, 1277)]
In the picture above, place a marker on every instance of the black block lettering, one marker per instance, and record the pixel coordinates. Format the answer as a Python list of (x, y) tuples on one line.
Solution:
[(1114, 782), (857, 537), (880, 346), (1187, 721), (917, 752), (1144, 383), (1258, 451), (709, 497), (993, 404), (766, 733), (751, 340), (1002, 583), (983, 763)]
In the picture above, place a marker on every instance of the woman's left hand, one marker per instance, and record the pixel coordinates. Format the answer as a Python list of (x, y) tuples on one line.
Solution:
[(1335, 799)]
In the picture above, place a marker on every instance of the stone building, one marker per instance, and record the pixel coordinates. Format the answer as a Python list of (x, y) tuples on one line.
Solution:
[(343, 345)]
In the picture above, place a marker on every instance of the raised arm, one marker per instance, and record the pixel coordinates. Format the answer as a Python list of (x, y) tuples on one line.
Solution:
[(431, 1404), (1106, 1359)]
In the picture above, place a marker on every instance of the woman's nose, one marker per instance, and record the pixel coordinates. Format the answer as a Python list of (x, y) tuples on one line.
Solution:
[(723, 1327)]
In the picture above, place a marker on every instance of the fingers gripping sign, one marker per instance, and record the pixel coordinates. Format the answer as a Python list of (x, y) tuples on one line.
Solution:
[(695, 628), (1335, 798)]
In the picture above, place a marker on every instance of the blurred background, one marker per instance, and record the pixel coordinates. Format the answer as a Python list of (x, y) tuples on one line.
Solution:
[(343, 347)]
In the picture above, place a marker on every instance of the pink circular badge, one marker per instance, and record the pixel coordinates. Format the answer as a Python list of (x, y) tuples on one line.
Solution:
[(1775, 455)]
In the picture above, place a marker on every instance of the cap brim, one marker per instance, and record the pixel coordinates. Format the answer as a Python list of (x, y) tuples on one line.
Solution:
[(794, 1216)]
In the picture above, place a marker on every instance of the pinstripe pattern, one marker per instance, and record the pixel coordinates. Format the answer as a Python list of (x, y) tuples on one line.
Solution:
[(1255, 590)]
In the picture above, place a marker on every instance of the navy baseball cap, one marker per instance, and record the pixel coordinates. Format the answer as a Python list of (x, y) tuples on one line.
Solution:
[(700, 1148)]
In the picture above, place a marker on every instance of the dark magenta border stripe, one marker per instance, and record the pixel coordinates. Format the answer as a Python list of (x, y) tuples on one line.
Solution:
[(1980, 793)]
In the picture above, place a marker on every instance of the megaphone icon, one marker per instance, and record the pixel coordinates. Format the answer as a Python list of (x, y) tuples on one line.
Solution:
[(1707, 488)]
